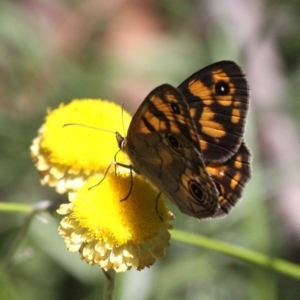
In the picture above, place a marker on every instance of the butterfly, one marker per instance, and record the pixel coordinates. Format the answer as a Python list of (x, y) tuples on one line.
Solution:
[(188, 141)]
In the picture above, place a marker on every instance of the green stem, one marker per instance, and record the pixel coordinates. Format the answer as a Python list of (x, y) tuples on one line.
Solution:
[(109, 284), (15, 207), (262, 260), (44, 205)]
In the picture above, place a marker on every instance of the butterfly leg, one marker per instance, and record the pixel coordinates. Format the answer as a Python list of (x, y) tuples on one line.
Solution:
[(156, 205), (130, 167), (104, 176), (115, 161)]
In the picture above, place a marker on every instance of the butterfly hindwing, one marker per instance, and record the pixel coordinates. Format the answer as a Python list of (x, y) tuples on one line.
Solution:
[(218, 98), (230, 178), (175, 167)]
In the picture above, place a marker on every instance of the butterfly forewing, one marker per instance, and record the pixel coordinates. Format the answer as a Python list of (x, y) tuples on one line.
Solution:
[(164, 147), (164, 110), (218, 98)]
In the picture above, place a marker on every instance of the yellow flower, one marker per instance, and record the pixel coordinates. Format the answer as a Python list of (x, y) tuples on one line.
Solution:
[(112, 233), (66, 156), (105, 230)]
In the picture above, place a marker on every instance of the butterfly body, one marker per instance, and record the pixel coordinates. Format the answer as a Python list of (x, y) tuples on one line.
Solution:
[(176, 140)]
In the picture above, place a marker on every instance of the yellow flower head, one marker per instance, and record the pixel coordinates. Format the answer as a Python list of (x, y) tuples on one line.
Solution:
[(115, 233), (66, 156)]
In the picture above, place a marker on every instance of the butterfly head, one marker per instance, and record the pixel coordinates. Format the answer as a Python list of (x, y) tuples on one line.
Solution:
[(121, 141)]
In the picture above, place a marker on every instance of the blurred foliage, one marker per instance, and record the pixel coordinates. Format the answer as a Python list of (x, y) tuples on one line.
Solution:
[(52, 52)]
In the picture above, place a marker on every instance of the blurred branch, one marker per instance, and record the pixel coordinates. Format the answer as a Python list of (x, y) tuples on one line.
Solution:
[(109, 284), (250, 256), (45, 205), (15, 207)]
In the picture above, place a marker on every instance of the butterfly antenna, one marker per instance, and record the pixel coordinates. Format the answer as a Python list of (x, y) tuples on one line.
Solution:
[(87, 126), (123, 119)]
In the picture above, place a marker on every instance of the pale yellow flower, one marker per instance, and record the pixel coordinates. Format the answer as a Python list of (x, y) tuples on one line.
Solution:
[(112, 233), (66, 156)]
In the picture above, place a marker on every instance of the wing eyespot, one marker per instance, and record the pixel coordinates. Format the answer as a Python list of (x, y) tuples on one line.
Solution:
[(222, 88), (195, 190), (175, 108), (173, 141)]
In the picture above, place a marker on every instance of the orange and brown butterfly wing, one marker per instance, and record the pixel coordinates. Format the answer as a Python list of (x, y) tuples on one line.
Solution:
[(171, 163), (164, 110), (163, 145), (218, 97), (230, 178)]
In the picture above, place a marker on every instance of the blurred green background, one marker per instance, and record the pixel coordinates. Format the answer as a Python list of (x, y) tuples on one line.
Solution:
[(55, 51)]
